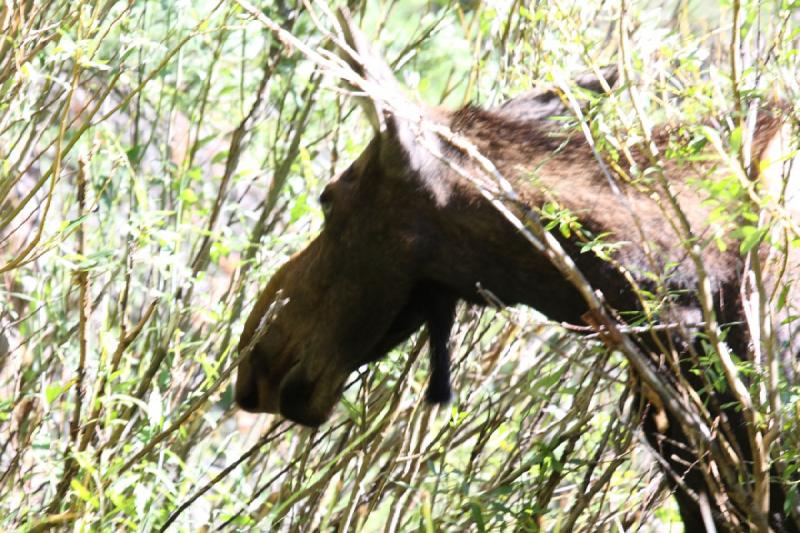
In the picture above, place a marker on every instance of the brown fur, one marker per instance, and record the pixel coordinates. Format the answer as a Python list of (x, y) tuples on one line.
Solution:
[(405, 235)]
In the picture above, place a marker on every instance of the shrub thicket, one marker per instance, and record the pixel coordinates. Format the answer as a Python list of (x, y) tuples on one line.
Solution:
[(159, 160)]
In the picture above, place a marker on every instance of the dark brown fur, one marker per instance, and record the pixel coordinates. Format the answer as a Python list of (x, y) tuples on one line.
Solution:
[(405, 238)]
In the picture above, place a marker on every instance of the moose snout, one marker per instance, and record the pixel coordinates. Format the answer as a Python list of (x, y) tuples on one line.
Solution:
[(260, 372), (254, 391), (246, 395)]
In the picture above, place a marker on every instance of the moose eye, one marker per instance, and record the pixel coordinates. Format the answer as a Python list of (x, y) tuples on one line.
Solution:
[(325, 202)]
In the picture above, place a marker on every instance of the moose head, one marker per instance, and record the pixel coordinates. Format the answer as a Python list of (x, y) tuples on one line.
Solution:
[(404, 239)]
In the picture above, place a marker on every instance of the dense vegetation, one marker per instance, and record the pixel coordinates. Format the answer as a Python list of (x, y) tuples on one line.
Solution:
[(159, 160)]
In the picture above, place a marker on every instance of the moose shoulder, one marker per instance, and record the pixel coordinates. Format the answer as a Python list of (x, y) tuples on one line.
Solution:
[(406, 237)]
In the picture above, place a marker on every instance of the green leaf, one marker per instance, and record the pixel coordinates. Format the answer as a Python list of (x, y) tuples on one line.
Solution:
[(67, 227), (83, 493), (188, 196), (299, 208), (220, 157), (52, 392), (736, 139), (752, 236), (782, 296), (548, 380), (134, 152), (477, 516)]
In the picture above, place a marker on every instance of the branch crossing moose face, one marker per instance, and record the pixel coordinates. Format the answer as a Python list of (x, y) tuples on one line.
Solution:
[(407, 236)]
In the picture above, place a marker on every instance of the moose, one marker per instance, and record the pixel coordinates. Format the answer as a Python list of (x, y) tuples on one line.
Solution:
[(407, 235)]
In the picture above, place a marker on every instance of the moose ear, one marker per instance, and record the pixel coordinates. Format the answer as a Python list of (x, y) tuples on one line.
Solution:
[(393, 115), (378, 84), (591, 82), (544, 103), (367, 64)]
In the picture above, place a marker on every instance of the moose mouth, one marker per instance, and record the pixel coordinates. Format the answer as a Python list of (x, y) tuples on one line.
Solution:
[(309, 401)]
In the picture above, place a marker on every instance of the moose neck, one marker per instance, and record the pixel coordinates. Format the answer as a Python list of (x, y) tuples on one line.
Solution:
[(488, 258)]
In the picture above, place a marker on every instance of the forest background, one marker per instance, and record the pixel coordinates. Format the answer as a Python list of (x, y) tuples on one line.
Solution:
[(159, 160)]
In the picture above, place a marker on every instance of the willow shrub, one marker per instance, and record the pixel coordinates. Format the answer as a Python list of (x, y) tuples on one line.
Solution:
[(158, 161)]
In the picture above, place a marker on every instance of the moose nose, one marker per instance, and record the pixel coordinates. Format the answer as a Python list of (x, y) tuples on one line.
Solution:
[(248, 402), (253, 395), (251, 391), (245, 392)]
